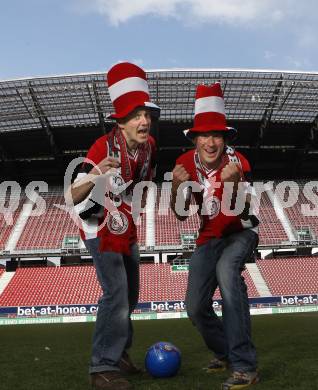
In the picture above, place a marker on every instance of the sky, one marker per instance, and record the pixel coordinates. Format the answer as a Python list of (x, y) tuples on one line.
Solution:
[(57, 37)]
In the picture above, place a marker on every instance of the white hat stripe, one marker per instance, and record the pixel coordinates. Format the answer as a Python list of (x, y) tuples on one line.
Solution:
[(151, 105), (130, 84), (209, 104)]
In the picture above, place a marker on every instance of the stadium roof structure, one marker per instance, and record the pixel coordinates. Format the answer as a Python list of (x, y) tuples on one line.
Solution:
[(62, 115), (83, 99)]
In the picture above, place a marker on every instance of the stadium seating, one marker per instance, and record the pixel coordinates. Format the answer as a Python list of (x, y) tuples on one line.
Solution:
[(48, 230), (78, 285), (141, 230), (51, 285), (168, 227), (290, 276), (271, 230), (297, 217), (8, 221), (159, 283)]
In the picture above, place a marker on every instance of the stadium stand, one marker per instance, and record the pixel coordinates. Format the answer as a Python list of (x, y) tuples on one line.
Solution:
[(168, 228), (9, 219), (275, 112), (271, 230), (141, 230), (48, 230), (78, 285), (251, 288), (156, 282), (290, 276), (51, 286), (297, 218)]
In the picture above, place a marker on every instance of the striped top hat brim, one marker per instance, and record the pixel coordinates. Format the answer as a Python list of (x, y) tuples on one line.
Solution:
[(230, 133), (128, 89)]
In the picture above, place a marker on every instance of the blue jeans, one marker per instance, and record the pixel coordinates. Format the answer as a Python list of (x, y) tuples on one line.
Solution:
[(118, 276), (220, 262)]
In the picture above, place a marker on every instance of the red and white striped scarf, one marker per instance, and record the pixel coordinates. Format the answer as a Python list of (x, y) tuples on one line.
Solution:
[(119, 231)]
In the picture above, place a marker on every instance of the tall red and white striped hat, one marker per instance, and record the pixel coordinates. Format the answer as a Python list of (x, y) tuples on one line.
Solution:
[(209, 112), (128, 89)]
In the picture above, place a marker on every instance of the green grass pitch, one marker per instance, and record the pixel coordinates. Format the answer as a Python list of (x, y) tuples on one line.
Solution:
[(55, 357)]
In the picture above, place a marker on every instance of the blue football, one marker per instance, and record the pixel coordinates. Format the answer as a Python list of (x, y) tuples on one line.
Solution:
[(162, 360)]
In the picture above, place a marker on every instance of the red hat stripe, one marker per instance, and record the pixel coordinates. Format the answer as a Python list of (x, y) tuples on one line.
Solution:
[(128, 85), (210, 121), (208, 104), (205, 91), (127, 102), (122, 71)]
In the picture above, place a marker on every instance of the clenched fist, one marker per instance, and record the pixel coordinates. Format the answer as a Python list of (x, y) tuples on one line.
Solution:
[(232, 172), (105, 165), (179, 175)]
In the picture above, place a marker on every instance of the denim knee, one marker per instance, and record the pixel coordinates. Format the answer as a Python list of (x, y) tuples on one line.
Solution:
[(194, 309)]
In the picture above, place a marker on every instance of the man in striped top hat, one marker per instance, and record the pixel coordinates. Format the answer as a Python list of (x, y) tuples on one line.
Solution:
[(115, 163), (227, 237)]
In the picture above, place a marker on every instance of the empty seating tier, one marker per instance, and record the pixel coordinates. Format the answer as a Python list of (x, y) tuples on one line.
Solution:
[(78, 285), (48, 230), (289, 276)]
